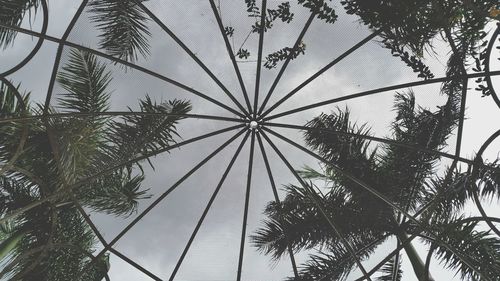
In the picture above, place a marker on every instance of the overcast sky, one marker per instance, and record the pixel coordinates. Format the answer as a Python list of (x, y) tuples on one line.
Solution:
[(158, 240)]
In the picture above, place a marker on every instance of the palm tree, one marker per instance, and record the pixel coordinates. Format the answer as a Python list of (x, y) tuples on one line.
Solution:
[(303, 220), (50, 159), (308, 214)]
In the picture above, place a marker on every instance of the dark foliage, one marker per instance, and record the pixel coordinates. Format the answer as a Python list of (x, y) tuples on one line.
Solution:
[(123, 26), (321, 9), (412, 61), (243, 53), (273, 59), (12, 12)]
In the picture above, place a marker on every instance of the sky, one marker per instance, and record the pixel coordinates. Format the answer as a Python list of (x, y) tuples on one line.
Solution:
[(157, 241)]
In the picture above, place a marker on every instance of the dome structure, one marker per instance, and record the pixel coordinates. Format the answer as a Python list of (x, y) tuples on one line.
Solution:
[(249, 140)]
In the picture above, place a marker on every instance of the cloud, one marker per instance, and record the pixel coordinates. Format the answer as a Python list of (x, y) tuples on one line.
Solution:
[(157, 241)]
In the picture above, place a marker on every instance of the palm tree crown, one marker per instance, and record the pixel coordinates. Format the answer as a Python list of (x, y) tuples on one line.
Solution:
[(62, 150), (407, 177)]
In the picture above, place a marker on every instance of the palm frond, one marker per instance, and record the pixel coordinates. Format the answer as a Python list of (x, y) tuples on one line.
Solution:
[(446, 196), (64, 264), (479, 251), (310, 173), (140, 134), (450, 193), (85, 80), (391, 270), (116, 194), (489, 180), (336, 147), (13, 104), (12, 13), (335, 262), (297, 222), (294, 222), (348, 152), (325, 267), (10, 105), (408, 169), (421, 127), (123, 26)]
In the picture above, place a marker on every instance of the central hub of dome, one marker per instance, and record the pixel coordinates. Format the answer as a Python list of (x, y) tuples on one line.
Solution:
[(253, 124)]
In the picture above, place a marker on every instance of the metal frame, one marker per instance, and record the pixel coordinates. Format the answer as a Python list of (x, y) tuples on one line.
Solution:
[(256, 113)]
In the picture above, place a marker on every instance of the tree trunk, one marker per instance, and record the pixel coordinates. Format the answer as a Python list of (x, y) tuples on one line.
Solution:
[(415, 260)]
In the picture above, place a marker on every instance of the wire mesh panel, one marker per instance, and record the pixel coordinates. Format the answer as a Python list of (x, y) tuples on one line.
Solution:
[(249, 140)]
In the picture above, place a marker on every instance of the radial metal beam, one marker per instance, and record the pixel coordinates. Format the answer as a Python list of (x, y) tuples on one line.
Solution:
[(103, 172), (39, 43), (245, 210), (390, 255), (276, 199), (192, 55), (126, 63), (263, 12), (134, 264), (361, 251), (118, 114), (60, 49), (207, 208), (285, 64), (380, 90), (88, 220), (487, 64), (163, 196), (377, 139), (154, 153), (231, 55), (321, 71), (174, 186)]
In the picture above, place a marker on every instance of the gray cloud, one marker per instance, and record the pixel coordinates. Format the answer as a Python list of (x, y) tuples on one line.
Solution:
[(157, 241)]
